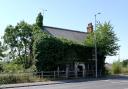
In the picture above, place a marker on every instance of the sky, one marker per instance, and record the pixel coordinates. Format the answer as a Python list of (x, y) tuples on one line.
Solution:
[(70, 14)]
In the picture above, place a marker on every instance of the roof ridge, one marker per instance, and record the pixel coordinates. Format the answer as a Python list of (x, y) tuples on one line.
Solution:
[(65, 29)]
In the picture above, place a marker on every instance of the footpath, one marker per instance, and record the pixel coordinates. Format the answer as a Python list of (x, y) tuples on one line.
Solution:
[(44, 83), (4, 86), (28, 84)]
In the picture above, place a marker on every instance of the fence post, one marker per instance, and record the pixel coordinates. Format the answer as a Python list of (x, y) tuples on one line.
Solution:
[(76, 75), (42, 74), (100, 73), (54, 74), (83, 73), (58, 71), (83, 65), (67, 68)]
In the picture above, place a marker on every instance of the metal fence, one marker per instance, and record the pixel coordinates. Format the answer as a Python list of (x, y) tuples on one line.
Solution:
[(6, 78), (57, 74), (69, 74)]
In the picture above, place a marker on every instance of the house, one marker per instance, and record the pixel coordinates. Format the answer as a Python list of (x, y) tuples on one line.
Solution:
[(82, 59), (80, 68)]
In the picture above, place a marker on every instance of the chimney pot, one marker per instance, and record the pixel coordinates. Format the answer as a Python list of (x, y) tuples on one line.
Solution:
[(90, 28)]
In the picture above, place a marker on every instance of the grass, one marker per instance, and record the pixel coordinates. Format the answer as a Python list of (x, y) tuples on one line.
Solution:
[(118, 68), (19, 78)]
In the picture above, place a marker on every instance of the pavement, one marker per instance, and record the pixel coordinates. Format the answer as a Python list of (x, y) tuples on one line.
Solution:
[(118, 79), (43, 83), (28, 84)]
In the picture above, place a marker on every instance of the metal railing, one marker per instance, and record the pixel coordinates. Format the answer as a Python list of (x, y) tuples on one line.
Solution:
[(6, 78)]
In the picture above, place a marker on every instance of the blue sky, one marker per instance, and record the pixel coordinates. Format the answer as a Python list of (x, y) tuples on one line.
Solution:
[(71, 14)]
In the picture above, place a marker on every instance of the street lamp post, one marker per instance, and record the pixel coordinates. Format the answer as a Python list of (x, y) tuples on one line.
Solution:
[(44, 11), (95, 43)]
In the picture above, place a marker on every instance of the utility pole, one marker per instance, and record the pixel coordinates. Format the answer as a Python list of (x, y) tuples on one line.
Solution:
[(95, 43)]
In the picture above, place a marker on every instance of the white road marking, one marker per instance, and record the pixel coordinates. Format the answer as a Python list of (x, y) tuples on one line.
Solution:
[(116, 81), (125, 82), (120, 82)]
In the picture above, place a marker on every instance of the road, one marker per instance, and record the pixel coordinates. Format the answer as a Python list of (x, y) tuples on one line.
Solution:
[(116, 83)]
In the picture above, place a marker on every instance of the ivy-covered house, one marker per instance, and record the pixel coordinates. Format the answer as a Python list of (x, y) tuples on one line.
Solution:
[(76, 56)]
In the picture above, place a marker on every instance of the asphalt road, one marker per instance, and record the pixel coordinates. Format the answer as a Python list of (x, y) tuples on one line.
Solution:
[(114, 83)]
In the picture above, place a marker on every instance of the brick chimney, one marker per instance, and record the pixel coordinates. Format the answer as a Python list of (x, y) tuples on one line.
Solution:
[(90, 28)]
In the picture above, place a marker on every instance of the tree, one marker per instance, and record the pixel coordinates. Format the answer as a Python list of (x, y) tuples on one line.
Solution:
[(125, 63), (106, 39), (2, 50), (39, 20), (18, 40)]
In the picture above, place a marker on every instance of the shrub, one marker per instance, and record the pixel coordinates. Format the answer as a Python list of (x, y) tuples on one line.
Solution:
[(31, 69), (13, 68), (124, 70), (10, 78), (125, 63), (116, 67), (18, 78), (107, 71)]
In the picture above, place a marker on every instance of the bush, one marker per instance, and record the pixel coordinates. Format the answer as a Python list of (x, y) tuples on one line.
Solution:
[(116, 67), (107, 71), (18, 78), (125, 63), (125, 70), (31, 69), (13, 68)]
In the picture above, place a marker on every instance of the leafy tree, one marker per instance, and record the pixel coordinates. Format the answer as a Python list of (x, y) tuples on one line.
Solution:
[(39, 20), (106, 39), (2, 50), (2, 55), (125, 63), (18, 40), (9, 38)]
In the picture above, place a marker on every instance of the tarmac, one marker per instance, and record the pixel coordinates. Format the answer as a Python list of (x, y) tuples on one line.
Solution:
[(29, 84), (4, 86)]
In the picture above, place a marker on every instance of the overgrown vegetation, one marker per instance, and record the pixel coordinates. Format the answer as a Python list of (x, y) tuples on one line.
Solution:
[(19, 78), (116, 67), (120, 67), (18, 46), (52, 52), (29, 48)]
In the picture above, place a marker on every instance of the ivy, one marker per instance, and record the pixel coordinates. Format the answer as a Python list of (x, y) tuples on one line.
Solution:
[(51, 52)]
